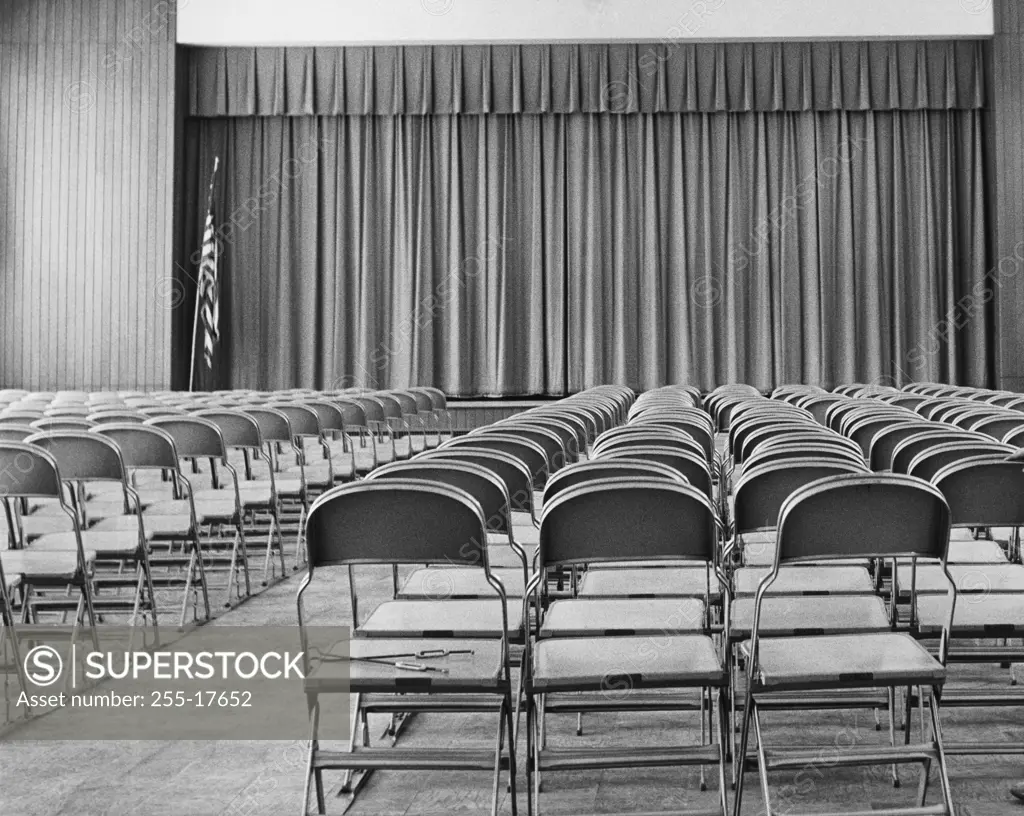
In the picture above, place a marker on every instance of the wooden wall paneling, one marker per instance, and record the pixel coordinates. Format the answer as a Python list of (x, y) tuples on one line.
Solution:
[(86, 168)]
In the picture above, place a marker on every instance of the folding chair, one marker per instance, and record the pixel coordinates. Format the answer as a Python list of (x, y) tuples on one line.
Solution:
[(167, 524), (241, 432), (490, 492), (84, 457), (397, 522), (550, 442), (276, 431), (200, 439), (840, 517), (308, 431), (29, 472), (587, 646)]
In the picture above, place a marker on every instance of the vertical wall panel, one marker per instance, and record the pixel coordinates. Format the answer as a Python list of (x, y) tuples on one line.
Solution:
[(1008, 146), (86, 171)]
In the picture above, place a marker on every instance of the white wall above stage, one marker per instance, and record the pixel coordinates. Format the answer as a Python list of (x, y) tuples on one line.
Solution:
[(339, 22)]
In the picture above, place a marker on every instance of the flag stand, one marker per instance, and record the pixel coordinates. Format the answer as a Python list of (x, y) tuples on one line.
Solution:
[(195, 316)]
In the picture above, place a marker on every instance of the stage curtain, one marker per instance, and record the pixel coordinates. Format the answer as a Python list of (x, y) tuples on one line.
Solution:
[(656, 77), (541, 254)]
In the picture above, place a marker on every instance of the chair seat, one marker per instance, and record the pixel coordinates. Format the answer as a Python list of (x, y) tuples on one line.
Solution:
[(759, 551), (35, 526), (481, 670), (105, 543), (617, 665), (502, 556), (525, 534), (148, 492), (440, 619), (664, 582), (975, 616), (445, 583), (969, 579), (619, 617), (789, 616), (206, 511), (39, 566), (806, 581), (252, 494), (975, 552), (97, 509), (155, 526), (846, 661), (319, 474)]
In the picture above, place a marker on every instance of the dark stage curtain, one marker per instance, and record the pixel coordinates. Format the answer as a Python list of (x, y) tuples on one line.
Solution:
[(541, 253)]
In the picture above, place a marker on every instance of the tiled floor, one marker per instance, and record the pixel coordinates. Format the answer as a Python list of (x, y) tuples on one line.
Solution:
[(41, 778)]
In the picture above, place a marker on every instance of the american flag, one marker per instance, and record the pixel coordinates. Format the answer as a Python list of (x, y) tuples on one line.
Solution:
[(209, 290)]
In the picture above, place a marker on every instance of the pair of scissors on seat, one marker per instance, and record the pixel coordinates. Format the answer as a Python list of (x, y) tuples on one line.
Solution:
[(397, 661)]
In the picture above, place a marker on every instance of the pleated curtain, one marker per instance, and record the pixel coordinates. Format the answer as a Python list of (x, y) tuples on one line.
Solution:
[(515, 254)]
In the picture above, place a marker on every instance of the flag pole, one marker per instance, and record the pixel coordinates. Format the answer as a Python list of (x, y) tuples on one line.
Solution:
[(195, 315)]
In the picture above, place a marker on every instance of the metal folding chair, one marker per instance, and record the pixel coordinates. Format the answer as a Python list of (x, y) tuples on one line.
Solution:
[(589, 646), (851, 516), (398, 522)]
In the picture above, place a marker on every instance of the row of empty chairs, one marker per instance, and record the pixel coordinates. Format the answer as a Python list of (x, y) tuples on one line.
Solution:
[(119, 504), (709, 556), (748, 550)]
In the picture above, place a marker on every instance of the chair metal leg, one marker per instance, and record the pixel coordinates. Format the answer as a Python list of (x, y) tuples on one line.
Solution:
[(512, 770), (740, 759), (892, 733), (762, 761), (947, 791)]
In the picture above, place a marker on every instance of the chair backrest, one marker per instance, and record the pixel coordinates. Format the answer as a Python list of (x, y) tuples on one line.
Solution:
[(305, 421), (372, 408), (692, 468), (238, 429), (645, 439), (864, 431), (884, 443), (193, 437), (67, 411), (424, 404), (532, 454), (28, 472), (760, 492), (905, 451), (983, 491), (353, 415), (20, 417), (998, 427), (510, 469), (274, 425), (406, 401), (550, 442), (698, 430), (437, 397), (62, 424), (331, 417), (571, 434), (479, 482), (142, 446), (931, 460), (82, 456), (599, 521), (881, 515), (391, 406), (101, 417), (16, 433), (801, 450), (608, 469), (395, 522)]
